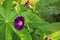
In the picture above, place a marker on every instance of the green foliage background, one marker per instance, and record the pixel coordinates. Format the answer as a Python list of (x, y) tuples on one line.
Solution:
[(41, 21)]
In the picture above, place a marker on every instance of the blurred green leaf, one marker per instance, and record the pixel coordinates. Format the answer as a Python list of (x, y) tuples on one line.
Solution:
[(8, 4), (22, 7), (39, 32), (7, 18), (36, 37), (32, 20), (36, 26), (22, 33), (46, 9), (19, 1), (46, 2), (55, 35), (50, 28)]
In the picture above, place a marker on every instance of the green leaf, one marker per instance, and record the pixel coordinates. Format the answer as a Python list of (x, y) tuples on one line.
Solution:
[(50, 28), (55, 35), (36, 37), (22, 33), (2, 32), (33, 19), (5, 32), (8, 30), (3, 12), (22, 8), (38, 32), (47, 10), (19, 1), (46, 2), (7, 4)]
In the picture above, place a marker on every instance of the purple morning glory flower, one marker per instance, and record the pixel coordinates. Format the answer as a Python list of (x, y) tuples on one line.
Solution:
[(19, 23)]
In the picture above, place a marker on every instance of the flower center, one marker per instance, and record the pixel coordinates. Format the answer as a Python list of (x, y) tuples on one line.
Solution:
[(20, 23)]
